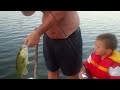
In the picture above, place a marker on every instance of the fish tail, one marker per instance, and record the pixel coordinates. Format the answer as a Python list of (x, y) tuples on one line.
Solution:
[(19, 76)]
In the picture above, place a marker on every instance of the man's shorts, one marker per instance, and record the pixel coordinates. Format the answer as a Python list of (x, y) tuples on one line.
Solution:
[(64, 54)]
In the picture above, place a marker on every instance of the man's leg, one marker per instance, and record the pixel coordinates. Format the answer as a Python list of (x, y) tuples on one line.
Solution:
[(76, 76), (53, 75), (50, 60), (69, 55)]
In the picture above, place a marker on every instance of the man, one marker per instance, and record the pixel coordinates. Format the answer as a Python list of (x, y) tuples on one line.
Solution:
[(62, 42)]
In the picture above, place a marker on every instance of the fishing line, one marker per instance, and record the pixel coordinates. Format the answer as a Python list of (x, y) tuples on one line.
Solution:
[(66, 37)]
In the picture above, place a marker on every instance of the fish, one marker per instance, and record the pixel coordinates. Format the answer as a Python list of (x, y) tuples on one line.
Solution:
[(22, 61)]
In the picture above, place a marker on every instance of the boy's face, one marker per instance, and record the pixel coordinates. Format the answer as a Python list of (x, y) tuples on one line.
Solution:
[(100, 48)]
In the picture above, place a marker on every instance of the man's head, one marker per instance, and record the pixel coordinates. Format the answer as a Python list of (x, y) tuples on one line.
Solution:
[(28, 13)]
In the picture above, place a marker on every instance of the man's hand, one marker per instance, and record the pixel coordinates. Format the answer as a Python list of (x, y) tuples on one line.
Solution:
[(33, 38)]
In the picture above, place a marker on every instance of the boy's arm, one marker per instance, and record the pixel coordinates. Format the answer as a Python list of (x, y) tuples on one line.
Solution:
[(83, 70)]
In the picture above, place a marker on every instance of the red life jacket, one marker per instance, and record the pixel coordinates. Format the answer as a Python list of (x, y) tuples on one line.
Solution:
[(108, 68)]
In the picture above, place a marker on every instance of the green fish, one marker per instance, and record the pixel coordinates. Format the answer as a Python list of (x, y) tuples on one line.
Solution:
[(22, 62)]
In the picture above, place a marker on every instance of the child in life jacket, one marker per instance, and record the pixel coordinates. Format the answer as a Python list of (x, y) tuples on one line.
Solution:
[(104, 62)]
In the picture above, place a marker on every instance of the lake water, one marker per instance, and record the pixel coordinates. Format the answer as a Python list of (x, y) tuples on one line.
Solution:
[(14, 27)]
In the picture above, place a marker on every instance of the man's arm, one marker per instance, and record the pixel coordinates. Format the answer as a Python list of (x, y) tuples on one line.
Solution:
[(48, 21)]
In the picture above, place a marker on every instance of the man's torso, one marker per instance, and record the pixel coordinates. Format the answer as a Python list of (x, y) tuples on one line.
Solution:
[(67, 25)]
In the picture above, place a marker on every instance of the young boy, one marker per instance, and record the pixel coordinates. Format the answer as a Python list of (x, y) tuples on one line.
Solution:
[(104, 62)]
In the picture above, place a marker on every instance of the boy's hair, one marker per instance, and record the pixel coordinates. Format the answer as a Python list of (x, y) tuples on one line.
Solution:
[(109, 39)]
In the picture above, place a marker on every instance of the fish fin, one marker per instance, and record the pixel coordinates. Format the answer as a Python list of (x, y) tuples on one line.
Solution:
[(28, 62), (25, 72), (19, 77)]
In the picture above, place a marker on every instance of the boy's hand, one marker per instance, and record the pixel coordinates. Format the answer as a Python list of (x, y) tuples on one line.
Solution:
[(80, 75)]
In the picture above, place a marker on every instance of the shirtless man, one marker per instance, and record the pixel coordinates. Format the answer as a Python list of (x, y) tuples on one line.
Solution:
[(62, 42)]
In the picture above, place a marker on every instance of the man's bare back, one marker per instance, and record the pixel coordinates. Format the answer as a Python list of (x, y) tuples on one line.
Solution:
[(69, 23)]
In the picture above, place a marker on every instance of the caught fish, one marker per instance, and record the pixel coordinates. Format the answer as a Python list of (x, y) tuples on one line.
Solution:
[(22, 61)]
